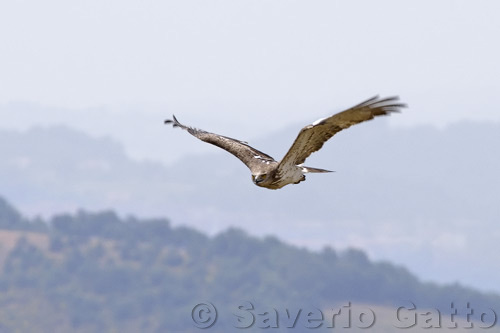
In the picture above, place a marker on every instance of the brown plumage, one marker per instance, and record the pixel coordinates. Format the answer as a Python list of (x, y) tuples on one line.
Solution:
[(269, 173)]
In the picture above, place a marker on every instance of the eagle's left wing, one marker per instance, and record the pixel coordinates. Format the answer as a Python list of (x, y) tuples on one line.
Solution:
[(312, 137), (252, 157)]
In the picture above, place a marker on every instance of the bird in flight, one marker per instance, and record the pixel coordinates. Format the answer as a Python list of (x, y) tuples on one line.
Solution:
[(272, 174)]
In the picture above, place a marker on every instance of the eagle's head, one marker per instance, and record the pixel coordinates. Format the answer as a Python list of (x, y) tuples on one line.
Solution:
[(259, 179)]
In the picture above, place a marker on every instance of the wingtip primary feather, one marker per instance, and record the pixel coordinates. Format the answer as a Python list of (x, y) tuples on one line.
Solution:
[(174, 122), (385, 106)]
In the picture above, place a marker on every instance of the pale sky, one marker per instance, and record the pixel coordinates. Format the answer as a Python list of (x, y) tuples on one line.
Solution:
[(255, 57)]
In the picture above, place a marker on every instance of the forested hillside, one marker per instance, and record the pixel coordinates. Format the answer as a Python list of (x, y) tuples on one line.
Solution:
[(89, 272)]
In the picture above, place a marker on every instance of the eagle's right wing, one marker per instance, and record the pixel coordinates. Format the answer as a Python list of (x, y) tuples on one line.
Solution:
[(312, 137), (252, 157)]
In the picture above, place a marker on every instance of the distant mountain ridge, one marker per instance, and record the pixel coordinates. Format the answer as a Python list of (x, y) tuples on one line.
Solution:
[(373, 157)]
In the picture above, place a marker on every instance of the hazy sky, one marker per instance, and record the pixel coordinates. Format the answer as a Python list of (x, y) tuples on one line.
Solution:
[(252, 60)]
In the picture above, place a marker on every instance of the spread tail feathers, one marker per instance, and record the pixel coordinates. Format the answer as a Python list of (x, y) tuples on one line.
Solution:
[(307, 169)]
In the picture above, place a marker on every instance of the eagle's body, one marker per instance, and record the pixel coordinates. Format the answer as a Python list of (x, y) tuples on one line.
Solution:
[(272, 174)]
